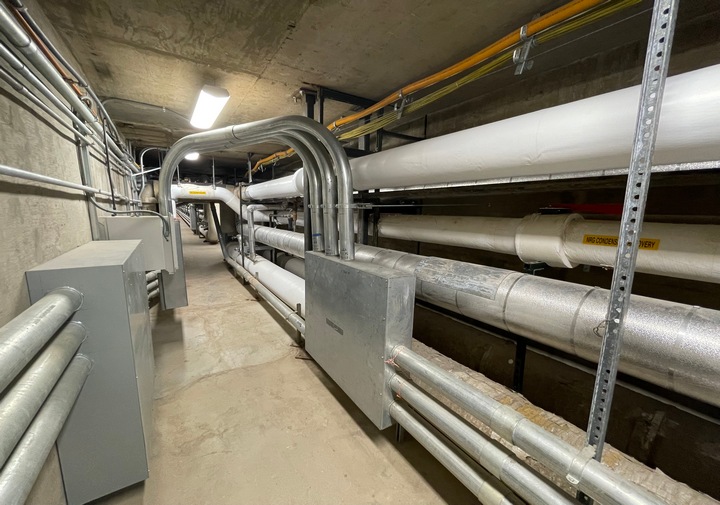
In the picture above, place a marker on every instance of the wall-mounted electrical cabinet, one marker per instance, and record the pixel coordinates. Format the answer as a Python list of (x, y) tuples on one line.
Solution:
[(103, 446), (355, 314), (156, 249)]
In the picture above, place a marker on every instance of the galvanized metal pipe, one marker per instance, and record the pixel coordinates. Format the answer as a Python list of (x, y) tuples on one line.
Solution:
[(239, 135), (22, 469), (152, 294), (485, 487), (30, 176), (151, 276), (500, 462), (153, 285), (21, 69), (17, 36), (578, 466), (24, 399), (24, 336), (322, 194)]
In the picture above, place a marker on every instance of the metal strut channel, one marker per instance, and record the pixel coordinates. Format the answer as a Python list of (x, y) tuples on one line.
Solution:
[(657, 60)]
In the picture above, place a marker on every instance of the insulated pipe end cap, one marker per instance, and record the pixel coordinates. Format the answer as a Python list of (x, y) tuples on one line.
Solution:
[(541, 238)]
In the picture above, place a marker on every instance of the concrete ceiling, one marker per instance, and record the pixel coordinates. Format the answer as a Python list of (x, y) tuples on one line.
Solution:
[(149, 58), (161, 52)]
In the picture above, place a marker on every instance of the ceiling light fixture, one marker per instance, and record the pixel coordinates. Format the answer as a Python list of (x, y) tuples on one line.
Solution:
[(209, 104), (192, 156)]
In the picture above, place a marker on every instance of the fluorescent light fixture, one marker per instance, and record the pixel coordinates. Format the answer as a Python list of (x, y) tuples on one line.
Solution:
[(209, 104), (192, 156)]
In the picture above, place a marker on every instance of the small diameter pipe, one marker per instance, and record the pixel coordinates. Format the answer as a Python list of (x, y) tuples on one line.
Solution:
[(151, 276), (487, 489), (291, 316), (152, 294), (20, 39), (153, 285), (578, 466), (24, 336), (22, 469), (30, 176), (22, 402), (497, 460)]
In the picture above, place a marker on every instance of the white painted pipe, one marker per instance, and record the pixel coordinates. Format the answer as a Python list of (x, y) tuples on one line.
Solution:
[(686, 251), (283, 187), (212, 232), (586, 135), (288, 287), (187, 192)]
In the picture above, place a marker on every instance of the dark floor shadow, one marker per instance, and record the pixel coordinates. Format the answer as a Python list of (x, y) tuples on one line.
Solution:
[(435, 475), (167, 327)]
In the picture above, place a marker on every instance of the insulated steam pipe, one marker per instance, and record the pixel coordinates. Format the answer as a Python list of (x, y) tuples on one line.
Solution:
[(288, 314), (587, 135), (486, 488), (687, 251), (22, 402), (669, 344), (500, 462), (577, 466), (22, 469), (24, 336), (286, 286)]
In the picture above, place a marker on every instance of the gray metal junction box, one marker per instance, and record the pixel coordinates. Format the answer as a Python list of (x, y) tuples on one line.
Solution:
[(103, 445), (355, 314)]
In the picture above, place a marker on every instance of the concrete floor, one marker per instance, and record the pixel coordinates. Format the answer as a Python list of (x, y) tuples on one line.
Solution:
[(238, 418)]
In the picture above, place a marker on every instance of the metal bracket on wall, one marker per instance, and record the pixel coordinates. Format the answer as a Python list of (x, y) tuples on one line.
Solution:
[(657, 61)]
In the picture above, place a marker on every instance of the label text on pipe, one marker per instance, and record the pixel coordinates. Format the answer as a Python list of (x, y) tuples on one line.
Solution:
[(650, 244)]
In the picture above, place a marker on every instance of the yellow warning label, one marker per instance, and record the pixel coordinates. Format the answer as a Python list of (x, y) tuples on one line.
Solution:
[(650, 244), (203, 193)]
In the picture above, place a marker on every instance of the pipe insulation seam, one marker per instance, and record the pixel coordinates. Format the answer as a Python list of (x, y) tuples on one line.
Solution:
[(687, 251), (27, 333)]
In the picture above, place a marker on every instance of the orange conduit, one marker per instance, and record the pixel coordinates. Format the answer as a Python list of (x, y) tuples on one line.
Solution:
[(559, 15)]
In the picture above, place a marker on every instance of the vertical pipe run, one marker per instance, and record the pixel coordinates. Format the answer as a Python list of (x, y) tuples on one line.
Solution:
[(22, 402), (22, 469), (24, 336)]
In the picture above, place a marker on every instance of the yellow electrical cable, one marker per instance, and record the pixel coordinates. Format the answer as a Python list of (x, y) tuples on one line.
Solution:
[(565, 19)]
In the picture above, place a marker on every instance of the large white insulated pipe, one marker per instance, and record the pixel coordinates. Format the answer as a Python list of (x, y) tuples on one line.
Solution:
[(283, 187), (591, 134), (687, 251), (288, 287), (670, 344)]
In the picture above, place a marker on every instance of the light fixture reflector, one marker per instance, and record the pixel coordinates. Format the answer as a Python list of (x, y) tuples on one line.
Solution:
[(209, 104)]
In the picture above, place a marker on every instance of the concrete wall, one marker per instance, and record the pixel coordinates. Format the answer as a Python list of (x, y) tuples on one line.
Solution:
[(39, 222)]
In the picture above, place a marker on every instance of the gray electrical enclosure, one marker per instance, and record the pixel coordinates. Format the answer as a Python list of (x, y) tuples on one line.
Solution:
[(355, 314), (103, 446)]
